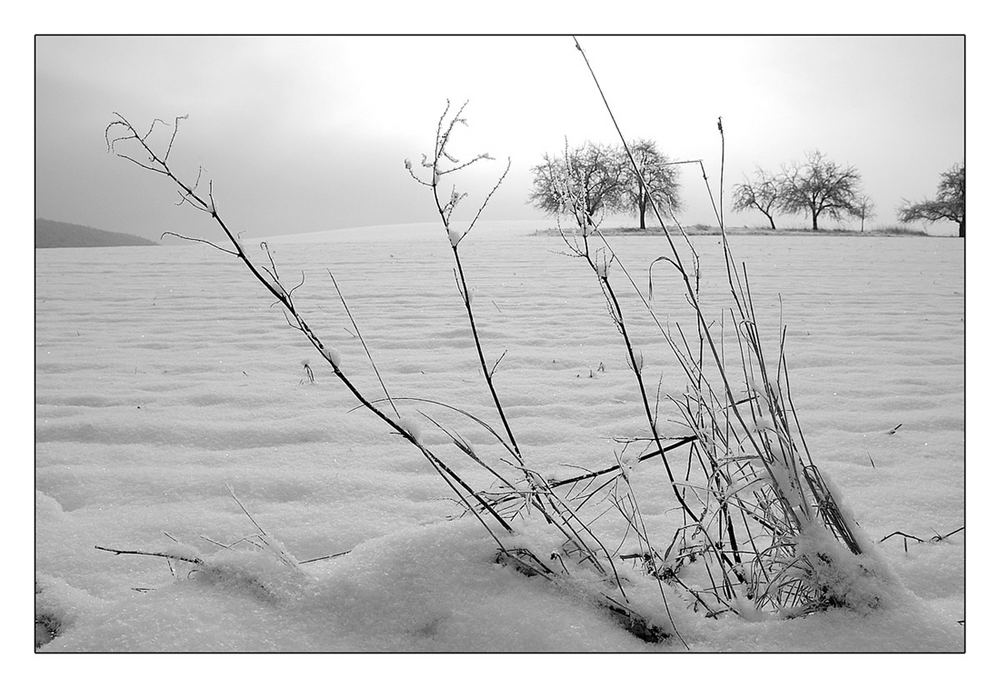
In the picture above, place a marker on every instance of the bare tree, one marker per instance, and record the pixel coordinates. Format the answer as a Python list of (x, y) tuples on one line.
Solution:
[(819, 186), (763, 194), (659, 180), (591, 173), (948, 205), (864, 208)]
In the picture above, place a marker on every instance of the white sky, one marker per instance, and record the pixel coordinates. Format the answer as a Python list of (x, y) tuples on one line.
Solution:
[(305, 134)]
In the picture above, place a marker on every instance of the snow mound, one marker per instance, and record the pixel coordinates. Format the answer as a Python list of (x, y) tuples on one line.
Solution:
[(435, 588), (438, 588)]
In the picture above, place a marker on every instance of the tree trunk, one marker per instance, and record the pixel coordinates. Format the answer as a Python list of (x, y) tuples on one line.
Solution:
[(815, 217), (961, 228), (771, 220), (642, 210)]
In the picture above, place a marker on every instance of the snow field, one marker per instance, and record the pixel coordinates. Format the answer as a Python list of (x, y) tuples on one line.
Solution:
[(163, 374)]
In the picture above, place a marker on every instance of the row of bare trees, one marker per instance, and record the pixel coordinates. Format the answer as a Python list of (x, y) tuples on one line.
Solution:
[(821, 187), (606, 182)]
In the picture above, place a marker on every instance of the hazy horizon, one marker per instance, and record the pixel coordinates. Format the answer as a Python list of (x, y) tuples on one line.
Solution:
[(307, 134)]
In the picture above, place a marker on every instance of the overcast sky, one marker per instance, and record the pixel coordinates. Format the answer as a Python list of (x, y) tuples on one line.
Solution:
[(305, 134)]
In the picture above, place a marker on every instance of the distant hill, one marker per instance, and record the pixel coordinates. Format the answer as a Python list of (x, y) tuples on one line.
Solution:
[(51, 234)]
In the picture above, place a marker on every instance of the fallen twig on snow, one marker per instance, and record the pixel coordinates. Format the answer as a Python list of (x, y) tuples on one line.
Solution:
[(907, 536)]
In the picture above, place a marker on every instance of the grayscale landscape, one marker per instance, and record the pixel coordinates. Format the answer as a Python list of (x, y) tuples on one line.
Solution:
[(464, 377)]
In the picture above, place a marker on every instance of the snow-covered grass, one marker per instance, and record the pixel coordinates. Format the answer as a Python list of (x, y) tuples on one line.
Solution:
[(163, 375)]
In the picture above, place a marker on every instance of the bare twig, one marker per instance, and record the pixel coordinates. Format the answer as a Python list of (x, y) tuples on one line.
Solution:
[(176, 557)]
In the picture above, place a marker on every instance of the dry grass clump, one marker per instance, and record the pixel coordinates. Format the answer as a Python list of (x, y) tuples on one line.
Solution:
[(749, 488), (759, 529), (751, 492)]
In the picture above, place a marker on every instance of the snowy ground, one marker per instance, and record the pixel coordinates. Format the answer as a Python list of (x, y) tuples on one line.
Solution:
[(163, 374)]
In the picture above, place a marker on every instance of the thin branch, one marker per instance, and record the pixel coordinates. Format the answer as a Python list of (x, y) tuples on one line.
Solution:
[(488, 197), (357, 329), (116, 552), (200, 241), (328, 556)]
